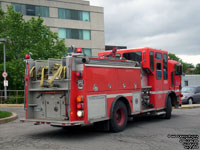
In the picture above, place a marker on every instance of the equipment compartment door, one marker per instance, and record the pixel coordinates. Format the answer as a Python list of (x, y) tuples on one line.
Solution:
[(54, 106), (136, 102)]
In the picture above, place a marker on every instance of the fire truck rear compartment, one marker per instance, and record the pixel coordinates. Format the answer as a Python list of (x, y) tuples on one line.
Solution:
[(48, 106), (48, 101)]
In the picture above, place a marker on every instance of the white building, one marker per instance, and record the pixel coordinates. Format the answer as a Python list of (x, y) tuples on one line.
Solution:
[(191, 80)]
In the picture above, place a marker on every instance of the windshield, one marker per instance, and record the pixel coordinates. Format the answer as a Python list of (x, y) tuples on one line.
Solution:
[(188, 90)]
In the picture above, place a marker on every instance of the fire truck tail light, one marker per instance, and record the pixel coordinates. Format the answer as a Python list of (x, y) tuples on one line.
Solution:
[(80, 113), (79, 106), (79, 99), (78, 74)]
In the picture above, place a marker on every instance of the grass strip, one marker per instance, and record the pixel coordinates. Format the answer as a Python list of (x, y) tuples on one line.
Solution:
[(4, 114)]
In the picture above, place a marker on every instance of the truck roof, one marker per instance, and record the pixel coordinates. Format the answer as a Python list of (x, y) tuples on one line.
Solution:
[(133, 49)]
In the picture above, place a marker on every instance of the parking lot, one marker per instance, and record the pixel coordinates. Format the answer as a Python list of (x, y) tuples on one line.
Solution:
[(145, 133)]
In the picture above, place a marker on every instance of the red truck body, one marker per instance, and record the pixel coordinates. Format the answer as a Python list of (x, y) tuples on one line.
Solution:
[(106, 90)]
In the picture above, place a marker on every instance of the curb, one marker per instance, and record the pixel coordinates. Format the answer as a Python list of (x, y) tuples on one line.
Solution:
[(8, 119), (11, 105), (190, 106)]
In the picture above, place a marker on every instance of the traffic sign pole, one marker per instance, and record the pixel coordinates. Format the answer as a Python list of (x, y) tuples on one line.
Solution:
[(4, 58), (5, 87)]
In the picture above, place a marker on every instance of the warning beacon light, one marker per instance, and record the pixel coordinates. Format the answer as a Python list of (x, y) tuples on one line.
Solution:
[(27, 56), (78, 50)]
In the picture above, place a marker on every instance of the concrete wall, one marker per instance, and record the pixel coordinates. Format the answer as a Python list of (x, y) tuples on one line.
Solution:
[(96, 24)]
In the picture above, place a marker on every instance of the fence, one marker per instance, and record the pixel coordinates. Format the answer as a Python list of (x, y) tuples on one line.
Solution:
[(14, 97)]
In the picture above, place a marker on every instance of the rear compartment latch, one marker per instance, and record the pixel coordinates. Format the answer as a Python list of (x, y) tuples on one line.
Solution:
[(62, 96)]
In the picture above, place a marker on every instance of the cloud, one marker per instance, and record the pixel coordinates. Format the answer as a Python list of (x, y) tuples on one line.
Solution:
[(172, 25)]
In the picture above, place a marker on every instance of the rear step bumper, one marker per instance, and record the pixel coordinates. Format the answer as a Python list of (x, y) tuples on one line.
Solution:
[(53, 123)]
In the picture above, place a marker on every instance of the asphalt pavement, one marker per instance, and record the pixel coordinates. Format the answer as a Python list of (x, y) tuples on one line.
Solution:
[(144, 133)]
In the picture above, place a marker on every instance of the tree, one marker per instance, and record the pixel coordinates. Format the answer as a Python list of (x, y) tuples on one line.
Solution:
[(174, 57), (197, 69), (24, 37), (185, 65)]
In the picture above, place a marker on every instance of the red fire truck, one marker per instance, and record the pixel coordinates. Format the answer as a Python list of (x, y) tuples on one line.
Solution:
[(80, 90)]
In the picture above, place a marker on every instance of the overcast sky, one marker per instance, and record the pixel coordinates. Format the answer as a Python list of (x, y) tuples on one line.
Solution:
[(172, 25)]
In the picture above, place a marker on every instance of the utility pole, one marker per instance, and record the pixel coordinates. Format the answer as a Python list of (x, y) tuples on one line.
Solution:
[(4, 58)]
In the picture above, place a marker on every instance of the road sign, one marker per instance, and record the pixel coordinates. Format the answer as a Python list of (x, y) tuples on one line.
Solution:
[(5, 82), (4, 74)]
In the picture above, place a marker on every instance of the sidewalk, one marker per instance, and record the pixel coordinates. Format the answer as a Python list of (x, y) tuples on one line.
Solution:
[(190, 106)]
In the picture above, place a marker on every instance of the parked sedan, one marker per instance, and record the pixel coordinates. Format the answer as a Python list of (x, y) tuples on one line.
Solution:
[(191, 95)]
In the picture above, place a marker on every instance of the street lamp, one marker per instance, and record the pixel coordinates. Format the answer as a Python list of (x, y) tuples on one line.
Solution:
[(4, 58)]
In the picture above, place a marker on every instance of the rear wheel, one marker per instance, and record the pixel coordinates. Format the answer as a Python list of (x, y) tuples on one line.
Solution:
[(168, 108), (119, 117), (190, 101)]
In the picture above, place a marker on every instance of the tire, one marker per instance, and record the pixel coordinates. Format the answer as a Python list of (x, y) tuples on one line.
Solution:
[(119, 117), (190, 101), (168, 108)]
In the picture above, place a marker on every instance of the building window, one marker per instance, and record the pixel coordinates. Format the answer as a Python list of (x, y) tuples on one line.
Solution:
[(87, 51), (74, 34), (186, 83), (85, 16), (31, 10), (73, 14), (62, 33), (86, 35)]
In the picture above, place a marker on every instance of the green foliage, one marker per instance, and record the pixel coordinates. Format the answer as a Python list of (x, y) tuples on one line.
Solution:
[(197, 69), (185, 65), (4, 114), (24, 37), (174, 57)]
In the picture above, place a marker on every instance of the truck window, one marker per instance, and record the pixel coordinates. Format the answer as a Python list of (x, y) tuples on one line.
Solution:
[(152, 61), (158, 71), (134, 56), (158, 56), (165, 69), (178, 69)]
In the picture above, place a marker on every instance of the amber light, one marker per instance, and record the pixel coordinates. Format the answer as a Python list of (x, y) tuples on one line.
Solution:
[(79, 99)]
